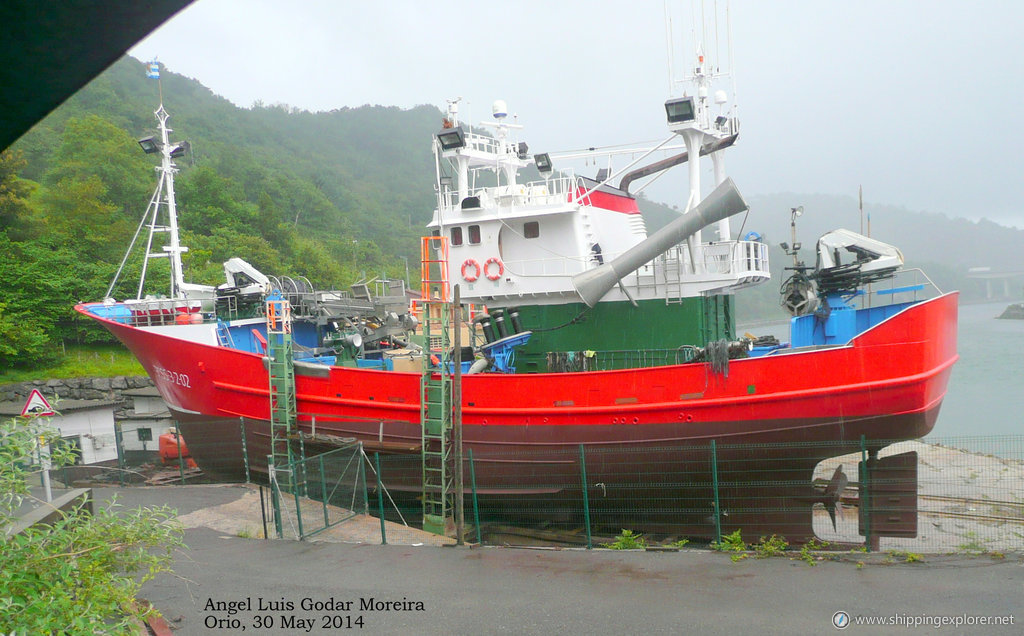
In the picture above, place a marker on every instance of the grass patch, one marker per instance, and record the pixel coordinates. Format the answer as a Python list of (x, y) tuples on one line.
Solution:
[(732, 543), (99, 361), (770, 546), (627, 541), (807, 551), (901, 555)]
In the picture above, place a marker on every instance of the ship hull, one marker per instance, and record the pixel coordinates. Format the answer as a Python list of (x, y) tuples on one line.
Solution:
[(886, 384)]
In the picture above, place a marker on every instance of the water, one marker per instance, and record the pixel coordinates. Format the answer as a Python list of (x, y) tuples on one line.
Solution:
[(986, 389)]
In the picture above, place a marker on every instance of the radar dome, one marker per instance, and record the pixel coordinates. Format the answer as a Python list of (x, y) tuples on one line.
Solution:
[(499, 109), (721, 97)]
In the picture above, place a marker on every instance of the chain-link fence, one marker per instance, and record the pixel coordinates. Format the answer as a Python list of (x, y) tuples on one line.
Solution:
[(313, 494), (939, 494), (946, 495)]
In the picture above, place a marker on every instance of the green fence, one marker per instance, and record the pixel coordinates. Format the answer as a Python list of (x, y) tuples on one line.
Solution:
[(941, 495), (932, 495), (328, 489)]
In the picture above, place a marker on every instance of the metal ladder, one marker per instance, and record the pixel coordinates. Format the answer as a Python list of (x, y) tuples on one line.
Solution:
[(436, 390), (282, 390), (224, 335)]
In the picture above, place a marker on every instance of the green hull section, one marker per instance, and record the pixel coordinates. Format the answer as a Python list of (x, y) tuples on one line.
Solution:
[(615, 335)]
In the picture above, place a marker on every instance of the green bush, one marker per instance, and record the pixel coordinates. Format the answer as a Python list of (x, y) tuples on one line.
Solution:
[(79, 575)]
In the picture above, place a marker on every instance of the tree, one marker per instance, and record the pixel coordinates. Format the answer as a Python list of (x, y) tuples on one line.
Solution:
[(79, 575), (15, 217), (93, 147), (23, 341)]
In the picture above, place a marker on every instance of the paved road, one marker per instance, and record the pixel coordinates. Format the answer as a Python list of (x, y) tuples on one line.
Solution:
[(430, 590)]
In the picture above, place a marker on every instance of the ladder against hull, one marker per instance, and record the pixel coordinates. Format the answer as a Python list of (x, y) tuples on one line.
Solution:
[(436, 390)]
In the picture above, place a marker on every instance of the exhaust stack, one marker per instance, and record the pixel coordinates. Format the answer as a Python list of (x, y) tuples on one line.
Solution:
[(723, 202)]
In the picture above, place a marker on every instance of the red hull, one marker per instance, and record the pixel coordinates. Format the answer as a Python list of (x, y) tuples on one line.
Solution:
[(886, 384)]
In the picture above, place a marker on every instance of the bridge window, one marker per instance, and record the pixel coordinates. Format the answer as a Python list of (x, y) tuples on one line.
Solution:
[(456, 236), (531, 229), (474, 234)]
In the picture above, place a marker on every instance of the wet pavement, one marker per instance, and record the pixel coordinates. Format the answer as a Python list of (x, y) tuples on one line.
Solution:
[(227, 584)]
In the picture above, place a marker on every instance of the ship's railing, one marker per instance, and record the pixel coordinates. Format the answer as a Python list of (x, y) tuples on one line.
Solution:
[(540, 267), (553, 191), (160, 311), (735, 257), (741, 261), (907, 285), (487, 144), (606, 360)]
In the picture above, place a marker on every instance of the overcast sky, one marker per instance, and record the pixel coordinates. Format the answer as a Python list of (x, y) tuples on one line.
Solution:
[(919, 102)]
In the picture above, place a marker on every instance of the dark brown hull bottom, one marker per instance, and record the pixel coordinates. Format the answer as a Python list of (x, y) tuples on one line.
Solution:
[(663, 483)]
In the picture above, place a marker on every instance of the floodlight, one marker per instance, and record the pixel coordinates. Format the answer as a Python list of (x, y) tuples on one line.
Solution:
[(543, 162), (451, 138), (680, 110), (180, 150), (149, 145)]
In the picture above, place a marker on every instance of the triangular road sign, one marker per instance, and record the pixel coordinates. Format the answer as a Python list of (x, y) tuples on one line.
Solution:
[(37, 405)]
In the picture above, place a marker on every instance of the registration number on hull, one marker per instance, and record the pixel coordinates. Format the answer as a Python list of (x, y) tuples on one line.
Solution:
[(173, 377)]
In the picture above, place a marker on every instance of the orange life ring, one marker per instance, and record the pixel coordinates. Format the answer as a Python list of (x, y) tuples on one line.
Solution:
[(494, 260), (475, 274)]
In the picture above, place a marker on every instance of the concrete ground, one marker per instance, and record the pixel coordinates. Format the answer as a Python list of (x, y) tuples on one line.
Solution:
[(227, 584)]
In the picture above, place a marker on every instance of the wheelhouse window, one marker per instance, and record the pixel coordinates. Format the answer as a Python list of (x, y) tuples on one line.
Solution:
[(474, 234), (456, 236), (531, 229)]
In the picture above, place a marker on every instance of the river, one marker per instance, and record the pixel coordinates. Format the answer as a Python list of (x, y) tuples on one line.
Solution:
[(986, 389)]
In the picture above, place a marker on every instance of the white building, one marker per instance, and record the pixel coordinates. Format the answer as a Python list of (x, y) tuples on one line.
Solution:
[(85, 425), (142, 426)]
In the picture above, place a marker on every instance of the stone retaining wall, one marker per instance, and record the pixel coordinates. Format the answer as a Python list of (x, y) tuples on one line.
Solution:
[(75, 388)]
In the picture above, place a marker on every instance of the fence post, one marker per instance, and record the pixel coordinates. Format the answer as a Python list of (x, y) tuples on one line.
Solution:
[(181, 461), (476, 504), (714, 485), (263, 514), (275, 501), (323, 489), (245, 450), (303, 488), (586, 498), (294, 468), (380, 500), (362, 478), (865, 492), (119, 445)]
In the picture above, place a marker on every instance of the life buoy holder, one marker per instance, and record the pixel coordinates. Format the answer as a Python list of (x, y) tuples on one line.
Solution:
[(471, 270), (494, 260)]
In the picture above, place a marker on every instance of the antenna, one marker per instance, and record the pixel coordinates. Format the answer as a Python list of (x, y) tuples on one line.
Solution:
[(860, 198), (670, 48)]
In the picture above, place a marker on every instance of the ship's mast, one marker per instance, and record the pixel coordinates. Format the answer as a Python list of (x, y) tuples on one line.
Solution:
[(162, 196), (174, 248), (691, 117)]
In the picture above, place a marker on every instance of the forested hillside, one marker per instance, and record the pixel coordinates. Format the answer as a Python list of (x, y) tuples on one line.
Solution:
[(334, 196)]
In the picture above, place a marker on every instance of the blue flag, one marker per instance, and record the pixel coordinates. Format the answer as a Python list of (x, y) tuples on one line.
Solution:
[(153, 70)]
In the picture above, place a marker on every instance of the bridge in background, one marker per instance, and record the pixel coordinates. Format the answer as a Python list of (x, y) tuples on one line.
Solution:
[(1012, 282)]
